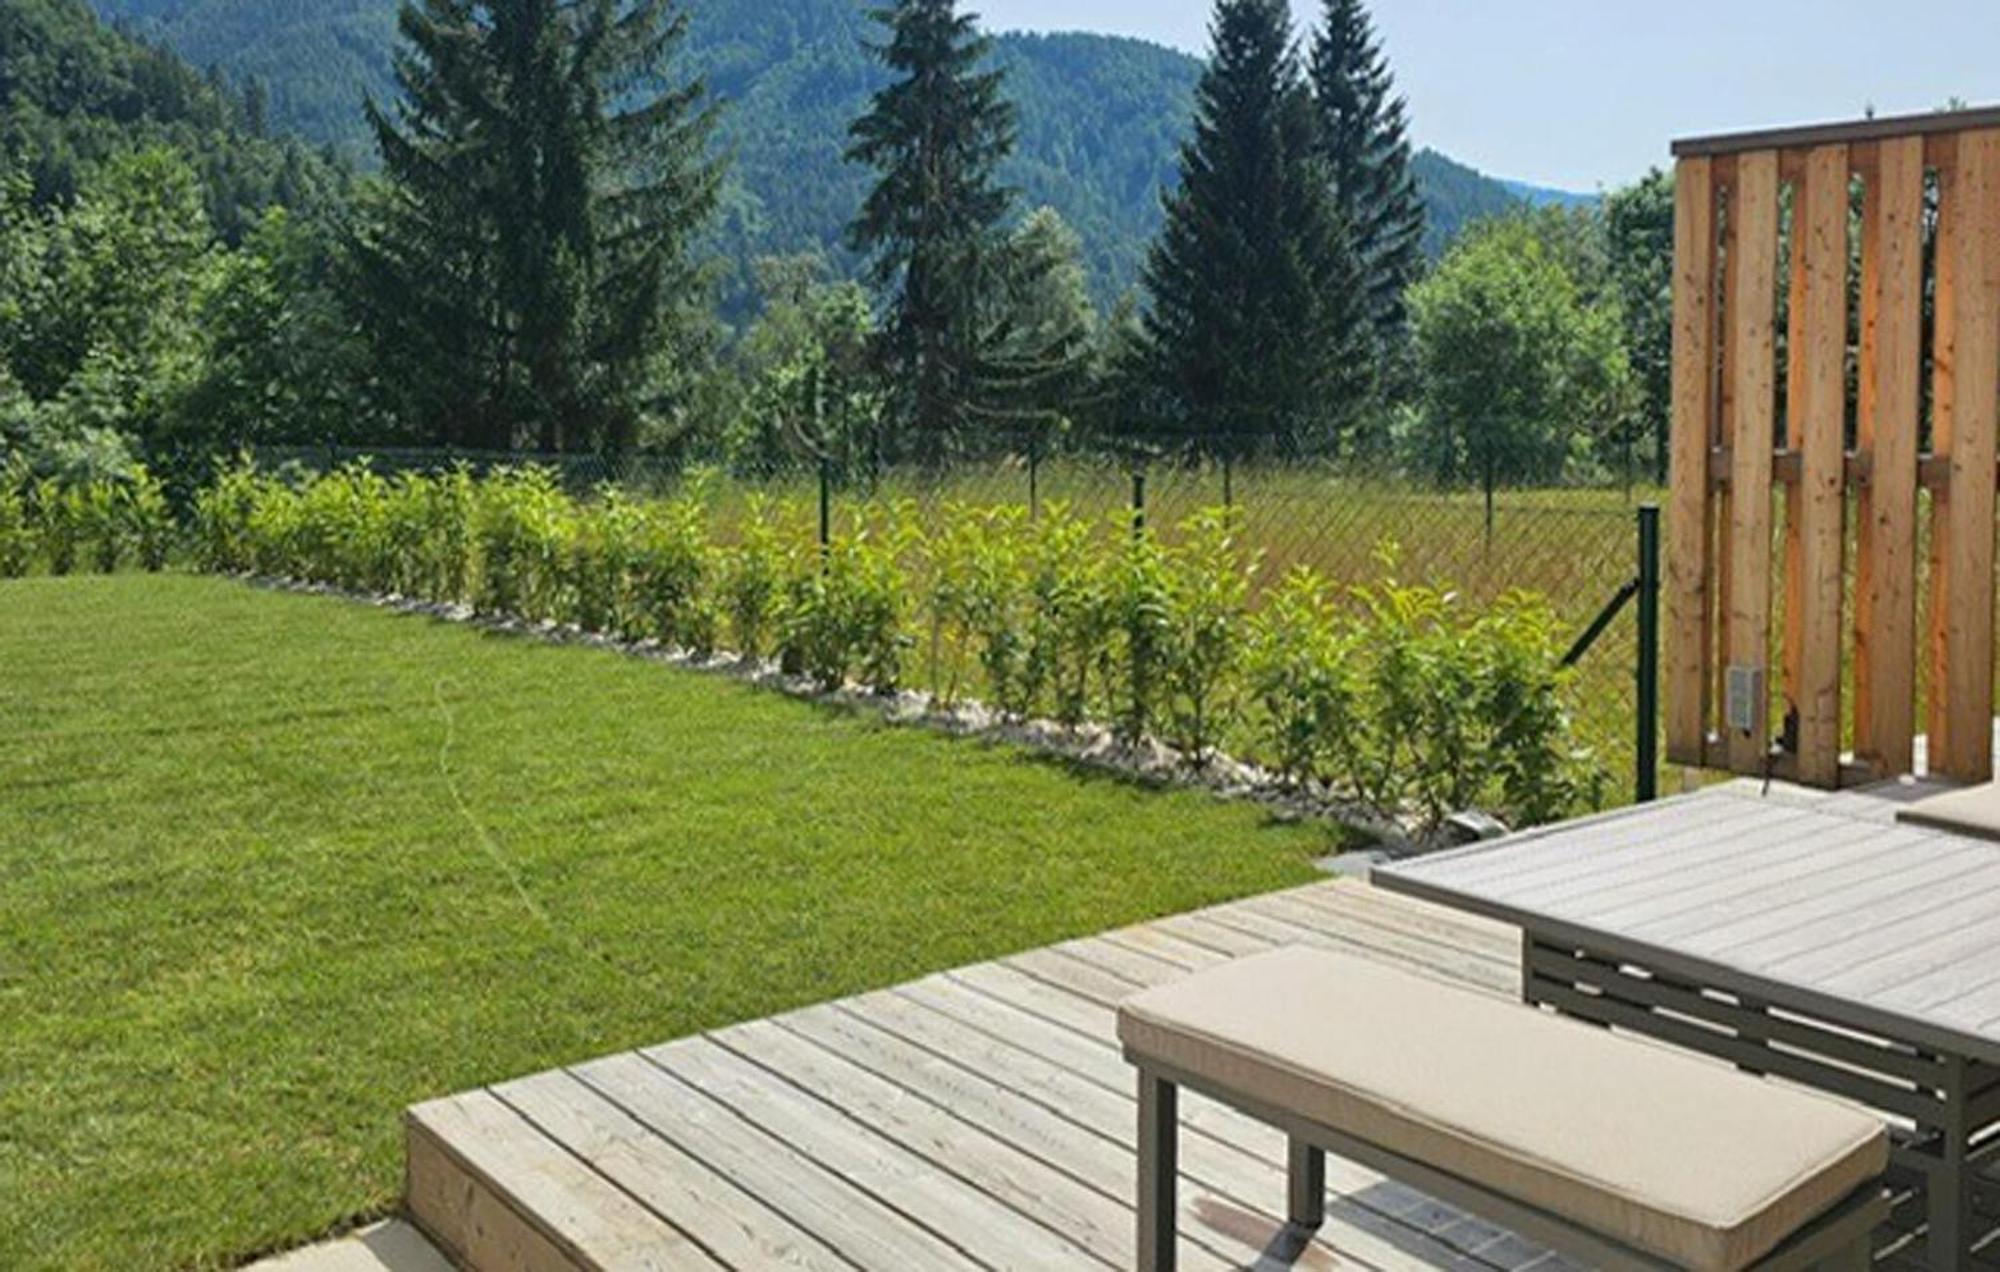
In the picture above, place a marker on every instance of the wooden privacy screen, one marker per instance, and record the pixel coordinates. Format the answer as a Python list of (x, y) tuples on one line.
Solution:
[(1822, 455)]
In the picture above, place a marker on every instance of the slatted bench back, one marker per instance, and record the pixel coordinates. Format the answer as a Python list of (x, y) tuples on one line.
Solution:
[(1805, 426)]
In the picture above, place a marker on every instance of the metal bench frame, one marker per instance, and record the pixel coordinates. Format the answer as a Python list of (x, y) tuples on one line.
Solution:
[(1838, 1241)]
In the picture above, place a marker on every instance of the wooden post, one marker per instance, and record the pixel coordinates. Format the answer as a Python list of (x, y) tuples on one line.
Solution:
[(1751, 390), (1816, 520), (1691, 522), (1886, 436), (1966, 398)]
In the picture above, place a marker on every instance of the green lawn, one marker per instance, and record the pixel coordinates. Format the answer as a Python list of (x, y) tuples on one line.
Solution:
[(273, 867)]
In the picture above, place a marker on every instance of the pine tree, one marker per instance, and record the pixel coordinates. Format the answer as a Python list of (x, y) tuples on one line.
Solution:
[(1364, 137), (936, 133), (1254, 334), (1044, 340), (529, 259)]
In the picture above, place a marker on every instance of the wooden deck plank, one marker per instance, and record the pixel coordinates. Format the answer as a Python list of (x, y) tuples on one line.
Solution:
[(963, 1074), (1216, 1141), (992, 1234), (842, 1216), (729, 1222), (578, 1212), (979, 1118), (1029, 1185)]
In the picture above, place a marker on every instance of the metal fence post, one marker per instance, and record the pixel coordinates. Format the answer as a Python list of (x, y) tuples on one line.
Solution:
[(1034, 479), (1138, 502), (825, 510), (1646, 787)]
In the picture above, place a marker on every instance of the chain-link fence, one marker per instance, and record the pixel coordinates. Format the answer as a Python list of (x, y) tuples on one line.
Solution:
[(1576, 545)]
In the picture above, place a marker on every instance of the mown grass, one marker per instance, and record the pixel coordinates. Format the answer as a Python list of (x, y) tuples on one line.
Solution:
[(273, 867)]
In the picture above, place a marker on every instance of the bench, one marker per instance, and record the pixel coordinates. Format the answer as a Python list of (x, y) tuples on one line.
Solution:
[(1615, 1152)]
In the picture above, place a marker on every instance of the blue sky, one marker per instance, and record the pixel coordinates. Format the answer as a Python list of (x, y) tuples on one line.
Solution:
[(1583, 93)]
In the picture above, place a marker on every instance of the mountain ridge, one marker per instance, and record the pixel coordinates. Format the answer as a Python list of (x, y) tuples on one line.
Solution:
[(1101, 117)]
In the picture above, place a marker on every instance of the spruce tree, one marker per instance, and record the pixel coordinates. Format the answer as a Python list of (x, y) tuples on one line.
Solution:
[(1253, 337), (930, 227), (1364, 137), (1044, 337), (527, 265)]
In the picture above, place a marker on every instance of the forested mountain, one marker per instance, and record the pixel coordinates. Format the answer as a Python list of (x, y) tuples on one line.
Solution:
[(73, 91), (1101, 118)]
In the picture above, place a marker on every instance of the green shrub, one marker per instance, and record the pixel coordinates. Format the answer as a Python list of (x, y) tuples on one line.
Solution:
[(849, 617), (521, 532), (674, 572), (223, 514), (1302, 675), (1141, 603), (98, 508), (602, 543), (151, 520), (17, 536), (755, 574), (1072, 619), (450, 502), (1208, 597), (58, 523)]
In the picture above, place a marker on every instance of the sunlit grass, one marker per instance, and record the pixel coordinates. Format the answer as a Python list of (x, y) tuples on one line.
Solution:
[(273, 867)]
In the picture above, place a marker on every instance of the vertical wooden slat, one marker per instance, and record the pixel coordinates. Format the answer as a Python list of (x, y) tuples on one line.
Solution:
[(1689, 527), (1966, 410), (1750, 390), (1816, 427), (1886, 437)]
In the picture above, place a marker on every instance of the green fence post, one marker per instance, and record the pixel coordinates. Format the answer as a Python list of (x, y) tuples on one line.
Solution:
[(825, 510), (1138, 502), (1647, 785)]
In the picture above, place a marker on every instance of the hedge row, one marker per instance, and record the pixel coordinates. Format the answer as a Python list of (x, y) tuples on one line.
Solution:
[(98, 525), (1393, 695)]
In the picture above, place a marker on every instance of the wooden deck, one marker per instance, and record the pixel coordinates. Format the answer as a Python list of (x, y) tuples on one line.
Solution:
[(980, 1118)]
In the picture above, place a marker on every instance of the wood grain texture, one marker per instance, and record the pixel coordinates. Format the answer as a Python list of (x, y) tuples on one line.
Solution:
[(1749, 318), (1887, 436), (1966, 398), (1815, 521), (1690, 518), (978, 1118)]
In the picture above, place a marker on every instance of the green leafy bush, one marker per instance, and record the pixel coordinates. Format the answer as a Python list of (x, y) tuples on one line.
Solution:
[(17, 536), (151, 520), (521, 535), (58, 523), (754, 576), (1392, 695), (602, 543), (1141, 603), (1301, 671), (675, 572), (849, 617), (1208, 596)]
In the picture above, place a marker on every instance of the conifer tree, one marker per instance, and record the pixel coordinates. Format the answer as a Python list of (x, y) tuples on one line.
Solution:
[(1044, 340), (1364, 137), (1253, 335), (930, 227), (528, 263)]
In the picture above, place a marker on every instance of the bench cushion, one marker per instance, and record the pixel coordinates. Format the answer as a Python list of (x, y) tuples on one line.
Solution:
[(1667, 1153)]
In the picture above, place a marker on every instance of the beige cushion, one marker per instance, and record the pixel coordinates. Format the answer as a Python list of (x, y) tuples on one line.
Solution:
[(1972, 811), (1669, 1154)]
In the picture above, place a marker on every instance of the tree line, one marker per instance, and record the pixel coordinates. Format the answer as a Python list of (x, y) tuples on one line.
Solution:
[(530, 272)]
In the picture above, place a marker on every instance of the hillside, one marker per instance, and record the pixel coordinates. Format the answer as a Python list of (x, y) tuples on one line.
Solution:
[(1101, 117), (72, 91)]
